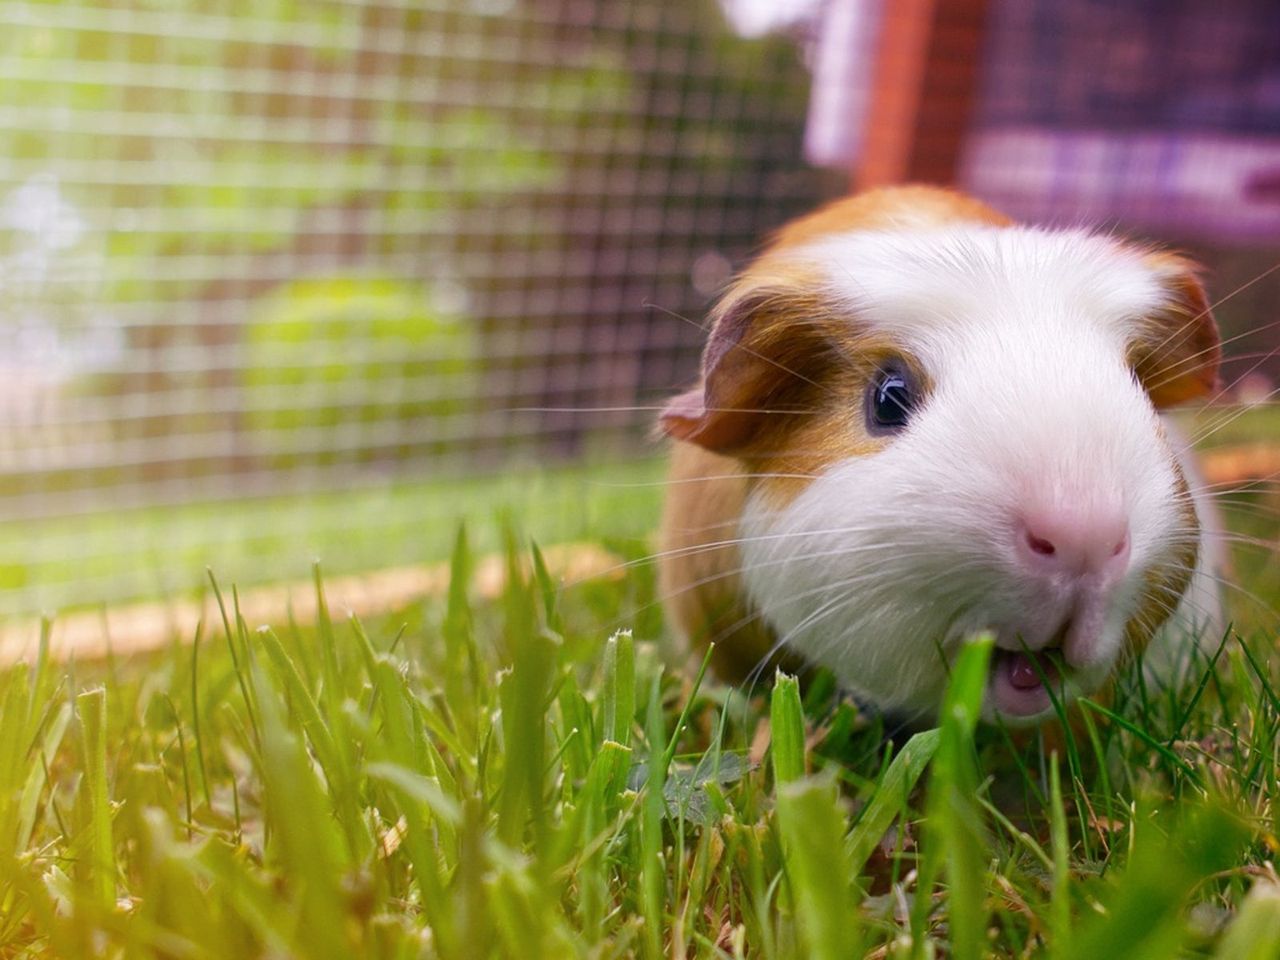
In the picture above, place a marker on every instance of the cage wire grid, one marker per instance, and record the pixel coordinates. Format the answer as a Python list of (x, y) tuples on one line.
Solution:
[(307, 277), (270, 270)]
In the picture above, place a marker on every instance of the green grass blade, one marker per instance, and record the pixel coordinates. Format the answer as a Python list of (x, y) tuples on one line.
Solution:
[(423, 790), (28, 803), (461, 670), (196, 726), (303, 703), (890, 798), (1255, 932), (1060, 895), (1262, 675), (306, 839), (786, 729), (237, 657), (547, 588), (1142, 916), (597, 799), (100, 863), (1172, 758), (670, 753), (955, 823), (524, 692), (619, 687), (652, 867), (813, 829), (327, 640)]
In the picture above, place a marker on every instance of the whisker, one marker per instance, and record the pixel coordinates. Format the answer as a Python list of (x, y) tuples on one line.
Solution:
[(1232, 417), (652, 408), (650, 305), (670, 482), (1189, 324)]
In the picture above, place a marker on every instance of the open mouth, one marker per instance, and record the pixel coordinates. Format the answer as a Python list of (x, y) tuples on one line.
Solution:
[(1027, 671), (1019, 679)]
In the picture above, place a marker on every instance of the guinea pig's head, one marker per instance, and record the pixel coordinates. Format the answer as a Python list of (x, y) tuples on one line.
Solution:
[(950, 425)]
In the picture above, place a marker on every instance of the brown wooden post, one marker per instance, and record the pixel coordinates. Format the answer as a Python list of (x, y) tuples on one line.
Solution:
[(923, 90)]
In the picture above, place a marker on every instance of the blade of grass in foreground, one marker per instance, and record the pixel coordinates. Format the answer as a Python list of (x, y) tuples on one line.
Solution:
[(1143, 916), (786, 729), (306, 838), (813, 828), (955, 825), (619, 687), (461, 684), (1255, 932), (605, 780), (652, 867), (100, 869), (523, 693), (1060, 896), (890, 798)]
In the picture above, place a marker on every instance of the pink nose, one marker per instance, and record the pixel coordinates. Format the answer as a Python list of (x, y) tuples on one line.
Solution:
[(1075, 542)]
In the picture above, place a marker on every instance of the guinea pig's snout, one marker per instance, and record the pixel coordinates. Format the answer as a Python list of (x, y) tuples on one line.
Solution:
[(1075, 542), (1072, 554)]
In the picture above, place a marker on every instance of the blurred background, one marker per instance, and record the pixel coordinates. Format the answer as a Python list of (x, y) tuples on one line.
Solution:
[(288, 280)]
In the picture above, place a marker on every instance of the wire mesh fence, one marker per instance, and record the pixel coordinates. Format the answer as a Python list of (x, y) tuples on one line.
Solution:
[(288, 278), (298, 248)]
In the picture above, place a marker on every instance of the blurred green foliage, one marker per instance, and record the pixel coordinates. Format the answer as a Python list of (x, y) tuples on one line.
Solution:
[(487, 193), (219, 161), (353, 351)]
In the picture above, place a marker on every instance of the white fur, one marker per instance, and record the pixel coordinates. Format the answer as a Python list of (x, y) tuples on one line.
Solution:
[(886, 562)]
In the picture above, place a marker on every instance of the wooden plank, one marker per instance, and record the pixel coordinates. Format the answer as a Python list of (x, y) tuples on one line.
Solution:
[(924, 88), (143, 627)]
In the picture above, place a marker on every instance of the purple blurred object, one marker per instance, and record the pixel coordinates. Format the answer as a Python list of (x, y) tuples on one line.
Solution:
[(1162, 115), (1201, 185), (1158, 114)]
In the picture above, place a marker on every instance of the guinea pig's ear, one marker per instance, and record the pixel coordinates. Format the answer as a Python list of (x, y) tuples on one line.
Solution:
[(762, 362), (1177, 356)]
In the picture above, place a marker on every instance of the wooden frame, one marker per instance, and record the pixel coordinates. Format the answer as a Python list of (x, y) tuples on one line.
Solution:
[(923, 90)]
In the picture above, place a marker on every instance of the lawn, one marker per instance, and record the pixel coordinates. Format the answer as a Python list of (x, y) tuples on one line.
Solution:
[(163, 550), (537, 775), (525, 778)]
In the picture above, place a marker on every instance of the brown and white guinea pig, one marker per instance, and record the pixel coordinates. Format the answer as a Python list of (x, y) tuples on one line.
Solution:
[(917, 420)]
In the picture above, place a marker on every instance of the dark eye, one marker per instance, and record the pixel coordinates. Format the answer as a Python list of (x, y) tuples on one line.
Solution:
[(890, 399)]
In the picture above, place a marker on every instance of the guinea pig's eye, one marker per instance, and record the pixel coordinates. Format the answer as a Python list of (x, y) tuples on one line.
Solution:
[(890, 399)]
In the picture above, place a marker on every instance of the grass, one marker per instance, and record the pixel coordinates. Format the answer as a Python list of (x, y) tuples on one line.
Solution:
[(527, 778), (69, 562)]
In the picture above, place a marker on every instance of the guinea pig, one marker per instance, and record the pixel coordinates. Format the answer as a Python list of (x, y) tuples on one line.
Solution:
[(916, 421)]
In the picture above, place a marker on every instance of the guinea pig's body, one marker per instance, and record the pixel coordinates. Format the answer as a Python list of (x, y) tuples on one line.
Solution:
[(918, 421)]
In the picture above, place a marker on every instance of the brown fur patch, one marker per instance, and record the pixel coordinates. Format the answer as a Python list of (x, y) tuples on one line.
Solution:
[(783, 388), (1177, 357), (887, 208), (786, 421), (769, 352), (837, 430), (699, 564)]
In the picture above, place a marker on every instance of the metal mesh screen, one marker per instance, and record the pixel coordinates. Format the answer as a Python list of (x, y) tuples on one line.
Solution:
[(293, 278), (284, 247)]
